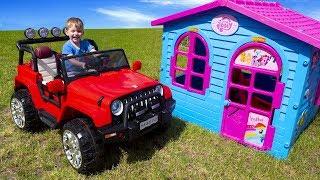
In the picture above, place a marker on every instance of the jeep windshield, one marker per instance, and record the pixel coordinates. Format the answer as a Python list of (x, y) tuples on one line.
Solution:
[(94, 63)]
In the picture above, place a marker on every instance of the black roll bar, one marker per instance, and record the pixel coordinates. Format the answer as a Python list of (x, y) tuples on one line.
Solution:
[(42, 40), (24, 46)]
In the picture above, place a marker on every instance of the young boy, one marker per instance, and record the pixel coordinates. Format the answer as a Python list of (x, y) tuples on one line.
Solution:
[(75, 46)]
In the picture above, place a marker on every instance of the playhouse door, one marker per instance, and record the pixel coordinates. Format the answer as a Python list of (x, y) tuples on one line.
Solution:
[(254, 90)]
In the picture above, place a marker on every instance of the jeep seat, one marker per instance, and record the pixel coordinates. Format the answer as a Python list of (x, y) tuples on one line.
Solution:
[(47, 65)]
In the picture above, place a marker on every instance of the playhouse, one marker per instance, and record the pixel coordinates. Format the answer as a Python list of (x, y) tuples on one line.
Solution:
[(245, 69)]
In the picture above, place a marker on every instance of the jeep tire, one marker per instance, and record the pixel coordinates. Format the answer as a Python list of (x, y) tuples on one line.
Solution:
[(23, 112), (83, 146)]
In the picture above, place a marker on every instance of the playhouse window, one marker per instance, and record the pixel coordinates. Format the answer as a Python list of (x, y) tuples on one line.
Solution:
[(196, 82), (180, 77), (184, 45), (258, 58), (238, 96), (200, 48), (182, 61), (265, 82), (190, 63), (241, 77), (199, 66), (261, 102)]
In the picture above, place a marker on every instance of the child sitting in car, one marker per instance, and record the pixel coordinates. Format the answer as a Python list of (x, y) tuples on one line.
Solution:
[(75, 46)]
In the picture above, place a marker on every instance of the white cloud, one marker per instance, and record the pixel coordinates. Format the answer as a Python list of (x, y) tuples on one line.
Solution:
[(131, 17), (188, 3), (158, 2)]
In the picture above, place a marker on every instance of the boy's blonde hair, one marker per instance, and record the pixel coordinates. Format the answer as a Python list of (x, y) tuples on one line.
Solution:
[(74, 21)]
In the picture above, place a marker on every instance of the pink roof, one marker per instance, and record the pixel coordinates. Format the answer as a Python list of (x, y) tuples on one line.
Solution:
[(272, 14)]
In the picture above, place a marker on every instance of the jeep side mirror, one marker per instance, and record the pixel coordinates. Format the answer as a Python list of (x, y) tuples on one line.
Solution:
[(56, 86), (136, 65)]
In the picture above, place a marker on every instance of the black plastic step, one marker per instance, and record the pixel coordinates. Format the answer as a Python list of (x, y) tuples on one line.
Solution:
[(48, 119)]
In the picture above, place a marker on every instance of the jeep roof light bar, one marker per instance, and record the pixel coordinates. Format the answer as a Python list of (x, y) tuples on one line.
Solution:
[(30, 33), (43, 32), (41, 40), (23, 45)]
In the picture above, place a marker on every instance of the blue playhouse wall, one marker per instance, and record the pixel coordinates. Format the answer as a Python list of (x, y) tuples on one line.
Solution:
[(307, 109), (207, 110)]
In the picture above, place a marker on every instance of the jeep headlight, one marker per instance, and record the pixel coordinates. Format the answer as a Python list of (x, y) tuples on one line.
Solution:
[(116, 107), (159, 89)]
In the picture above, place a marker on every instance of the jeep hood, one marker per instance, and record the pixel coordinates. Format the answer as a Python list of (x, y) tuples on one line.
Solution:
[(111, 84)]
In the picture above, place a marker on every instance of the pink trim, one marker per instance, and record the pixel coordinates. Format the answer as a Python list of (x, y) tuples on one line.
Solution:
[(186, 13), (269, 137), (252, 88), (271, 14), (182, 53), (290, 27), (279, 93), (172, 70), (235, 127), (197, 74), (190, 56)]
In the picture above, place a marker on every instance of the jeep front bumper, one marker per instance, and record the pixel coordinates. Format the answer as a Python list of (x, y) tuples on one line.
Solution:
[(129, 130)]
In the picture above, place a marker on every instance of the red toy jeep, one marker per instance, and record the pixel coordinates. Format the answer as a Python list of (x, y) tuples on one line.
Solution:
[(100, 102)]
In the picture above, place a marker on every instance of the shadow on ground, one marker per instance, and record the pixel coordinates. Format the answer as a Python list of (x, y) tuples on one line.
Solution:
[(140, 149), (143, 148)]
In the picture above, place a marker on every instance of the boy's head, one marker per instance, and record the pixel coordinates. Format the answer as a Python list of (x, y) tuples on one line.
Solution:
[(74, 29)]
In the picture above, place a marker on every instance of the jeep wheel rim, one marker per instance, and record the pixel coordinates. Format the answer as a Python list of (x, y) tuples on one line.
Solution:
[(72, 149), (18, 113)]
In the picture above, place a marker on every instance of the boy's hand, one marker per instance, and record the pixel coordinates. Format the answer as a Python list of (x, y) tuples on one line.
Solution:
[(91, 64), (83, 65)]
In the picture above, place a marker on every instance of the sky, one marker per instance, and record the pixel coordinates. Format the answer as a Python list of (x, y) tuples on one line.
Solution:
[(102, 14)]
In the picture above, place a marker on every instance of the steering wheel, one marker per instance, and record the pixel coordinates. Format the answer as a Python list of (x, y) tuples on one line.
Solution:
[(93, 63)]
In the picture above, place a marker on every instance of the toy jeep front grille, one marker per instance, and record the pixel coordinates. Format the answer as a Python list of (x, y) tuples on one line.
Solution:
[(138, 104)]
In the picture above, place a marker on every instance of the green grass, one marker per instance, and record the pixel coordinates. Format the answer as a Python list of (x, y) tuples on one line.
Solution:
[(185, 151)]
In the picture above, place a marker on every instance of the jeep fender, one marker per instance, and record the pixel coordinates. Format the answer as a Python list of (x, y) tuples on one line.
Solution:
[(99, 115), (26, 79)]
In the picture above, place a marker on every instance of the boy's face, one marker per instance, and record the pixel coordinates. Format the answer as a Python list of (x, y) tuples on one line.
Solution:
[(74, 34)]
